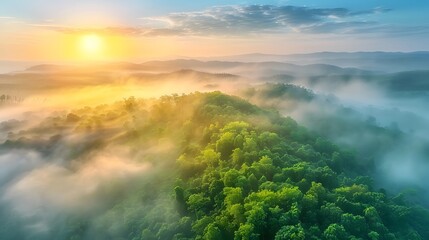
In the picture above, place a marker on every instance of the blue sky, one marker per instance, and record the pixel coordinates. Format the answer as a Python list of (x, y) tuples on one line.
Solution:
[(127, 12), (304, 25), (39, 10)]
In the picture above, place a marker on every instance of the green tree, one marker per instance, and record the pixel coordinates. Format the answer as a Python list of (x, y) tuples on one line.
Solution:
[(335, 232), (290, 232), (212, 232)]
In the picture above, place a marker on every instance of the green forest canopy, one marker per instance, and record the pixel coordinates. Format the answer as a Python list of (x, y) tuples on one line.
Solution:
[(241, 173)]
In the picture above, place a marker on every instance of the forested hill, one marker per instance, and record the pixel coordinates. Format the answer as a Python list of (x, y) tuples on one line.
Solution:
[(277, 181), (231, 171)]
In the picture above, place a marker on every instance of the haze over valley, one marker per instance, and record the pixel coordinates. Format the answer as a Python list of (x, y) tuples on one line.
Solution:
[(227, 120)]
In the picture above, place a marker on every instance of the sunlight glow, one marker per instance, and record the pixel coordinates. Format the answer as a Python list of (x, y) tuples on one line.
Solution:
[(91, 45)]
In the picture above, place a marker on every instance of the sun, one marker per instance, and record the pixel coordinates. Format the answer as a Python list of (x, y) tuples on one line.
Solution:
[(91, 45)]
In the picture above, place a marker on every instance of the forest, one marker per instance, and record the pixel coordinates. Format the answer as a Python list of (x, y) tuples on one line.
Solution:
[(214, 120), (193, 166)]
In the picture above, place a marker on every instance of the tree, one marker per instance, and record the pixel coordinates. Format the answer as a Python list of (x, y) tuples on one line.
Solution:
[(230, 178), (212, 232), (225, 145), (246, 232), (198, 204), (335, 232), (330, 213), (291, 232), (233, 196), (147, 235), (180, 199), (373, 235), (354, 224), (130, 104)]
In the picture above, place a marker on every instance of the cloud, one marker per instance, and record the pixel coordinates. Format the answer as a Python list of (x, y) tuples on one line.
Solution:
[(129, 31), (255, 19), (37, 190), (242, 20), (340, 27), (376, 10)]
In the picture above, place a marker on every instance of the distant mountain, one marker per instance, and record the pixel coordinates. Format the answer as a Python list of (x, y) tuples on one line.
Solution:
[(374, 61), (248, 69), (185, 74), (11, 66), (311, 75), (410, 81), (53, 76), (48, 68)]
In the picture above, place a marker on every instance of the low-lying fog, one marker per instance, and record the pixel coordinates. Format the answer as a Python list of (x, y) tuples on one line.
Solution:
[(383, 116)]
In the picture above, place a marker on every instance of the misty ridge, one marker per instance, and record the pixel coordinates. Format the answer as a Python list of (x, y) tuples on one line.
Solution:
[(148, 150)]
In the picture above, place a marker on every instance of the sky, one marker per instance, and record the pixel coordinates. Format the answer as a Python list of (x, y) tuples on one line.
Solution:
[(53, 30)]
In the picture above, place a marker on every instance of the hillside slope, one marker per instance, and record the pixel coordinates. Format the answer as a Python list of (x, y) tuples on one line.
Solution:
[(197, 166)]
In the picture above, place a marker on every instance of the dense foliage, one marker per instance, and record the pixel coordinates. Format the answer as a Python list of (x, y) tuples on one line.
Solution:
[(277, 181), (237, 172)]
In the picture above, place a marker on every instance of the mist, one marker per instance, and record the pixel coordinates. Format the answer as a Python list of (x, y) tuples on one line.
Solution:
[(66, 154), (60, 168)]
